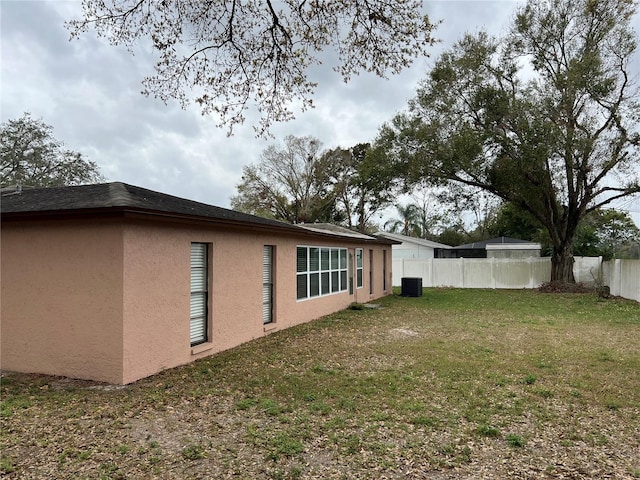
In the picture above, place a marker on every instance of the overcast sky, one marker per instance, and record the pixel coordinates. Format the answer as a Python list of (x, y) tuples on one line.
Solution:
[(89, 91)]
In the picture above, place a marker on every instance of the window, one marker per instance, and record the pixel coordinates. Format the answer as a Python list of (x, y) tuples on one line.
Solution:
[(384, 270), (199, 293), (359, 268), (320, 271), (267, 284), (371, 272)]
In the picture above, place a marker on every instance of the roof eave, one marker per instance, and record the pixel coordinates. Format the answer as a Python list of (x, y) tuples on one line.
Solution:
[(157, 215)]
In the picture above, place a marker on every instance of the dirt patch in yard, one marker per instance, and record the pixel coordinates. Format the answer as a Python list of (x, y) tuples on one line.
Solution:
[(403, 332)]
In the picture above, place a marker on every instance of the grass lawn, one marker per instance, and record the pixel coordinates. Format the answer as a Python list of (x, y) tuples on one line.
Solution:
[(457, 384)]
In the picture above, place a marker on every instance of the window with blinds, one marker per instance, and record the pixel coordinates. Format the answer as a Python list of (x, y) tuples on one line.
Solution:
[(267, 284), (199, 293)]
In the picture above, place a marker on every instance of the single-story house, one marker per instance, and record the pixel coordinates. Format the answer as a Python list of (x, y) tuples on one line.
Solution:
[(412, 247), (500, 247), (112, 282)]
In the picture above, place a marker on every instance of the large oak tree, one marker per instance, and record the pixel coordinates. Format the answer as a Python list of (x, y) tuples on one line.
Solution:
[(229, 54), (546, 118)]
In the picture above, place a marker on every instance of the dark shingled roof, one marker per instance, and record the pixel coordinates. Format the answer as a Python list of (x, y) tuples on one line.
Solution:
[(116, 196), (121, 197)]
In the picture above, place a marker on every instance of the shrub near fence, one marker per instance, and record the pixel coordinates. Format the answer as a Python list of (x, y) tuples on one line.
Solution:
[(622, 276)]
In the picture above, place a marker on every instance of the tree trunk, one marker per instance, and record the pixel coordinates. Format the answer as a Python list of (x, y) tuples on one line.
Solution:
[(562, 264)]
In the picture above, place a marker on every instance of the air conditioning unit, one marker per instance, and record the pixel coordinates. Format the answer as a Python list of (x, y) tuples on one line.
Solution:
[(411, 287)]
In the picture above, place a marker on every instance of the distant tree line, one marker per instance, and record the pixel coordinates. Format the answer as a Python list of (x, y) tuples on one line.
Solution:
[(606, 233)]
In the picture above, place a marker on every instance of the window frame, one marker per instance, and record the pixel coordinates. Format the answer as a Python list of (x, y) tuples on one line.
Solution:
[(371, 277), (320, 271), (268, 261), (202, 293), (384, 269), (359, 268)]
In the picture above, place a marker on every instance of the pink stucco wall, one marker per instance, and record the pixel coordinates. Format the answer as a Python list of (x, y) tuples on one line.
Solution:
[(121, 295), (61, 299)]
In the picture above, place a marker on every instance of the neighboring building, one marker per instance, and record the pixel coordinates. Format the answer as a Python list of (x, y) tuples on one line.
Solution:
[(113, 282), (412, 247), (501, 247)]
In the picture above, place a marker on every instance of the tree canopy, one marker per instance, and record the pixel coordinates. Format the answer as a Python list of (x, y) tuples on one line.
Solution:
[(545, 118), (606, 233), (511, 221), (363, 184), (298, 182), (292, 182), (407, 222), (234, 53), (31, 156)]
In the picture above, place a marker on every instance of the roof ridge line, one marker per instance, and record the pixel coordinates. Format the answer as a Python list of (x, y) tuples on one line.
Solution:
[(119, 194)]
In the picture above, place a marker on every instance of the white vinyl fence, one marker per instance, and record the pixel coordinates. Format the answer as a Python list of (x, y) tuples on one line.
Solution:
[(622, 276), (489, 272)]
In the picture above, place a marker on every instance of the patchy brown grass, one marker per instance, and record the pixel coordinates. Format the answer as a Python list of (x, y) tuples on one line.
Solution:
[(460, 384)]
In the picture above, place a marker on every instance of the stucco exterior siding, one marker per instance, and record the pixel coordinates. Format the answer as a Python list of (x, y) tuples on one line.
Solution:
[(156, 292), (96, 280), (155, 299), (61, 290)]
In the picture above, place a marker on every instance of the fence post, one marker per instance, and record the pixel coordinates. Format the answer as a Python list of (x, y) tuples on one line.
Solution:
[(493, 273), (431, 265), (617, 274)]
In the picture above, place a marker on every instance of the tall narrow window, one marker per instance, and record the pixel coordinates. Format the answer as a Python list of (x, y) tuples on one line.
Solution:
[(371, 272), (302, 276), (267, 284), (350, 272), (314, 271), (359, 268), (199, 293), (343, 269), (384, 270), (324, 267)]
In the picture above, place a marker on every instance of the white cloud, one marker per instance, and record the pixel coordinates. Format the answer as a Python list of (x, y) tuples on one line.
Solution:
[(89, 91)]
